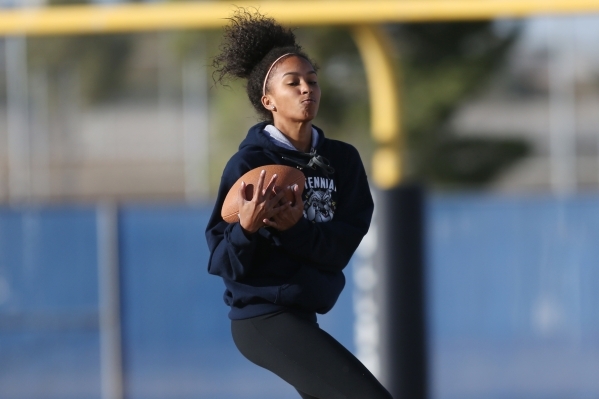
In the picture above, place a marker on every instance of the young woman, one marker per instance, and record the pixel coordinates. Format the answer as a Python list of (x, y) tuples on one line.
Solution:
[(283, 262)]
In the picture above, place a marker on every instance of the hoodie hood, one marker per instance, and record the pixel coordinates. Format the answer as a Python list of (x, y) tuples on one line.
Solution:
[(256, 138)]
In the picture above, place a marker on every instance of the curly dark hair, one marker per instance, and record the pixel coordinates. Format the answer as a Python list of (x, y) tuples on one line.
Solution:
[(252, 42)]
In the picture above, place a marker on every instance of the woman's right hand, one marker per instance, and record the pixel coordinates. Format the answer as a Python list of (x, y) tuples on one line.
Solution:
[(256, 211)]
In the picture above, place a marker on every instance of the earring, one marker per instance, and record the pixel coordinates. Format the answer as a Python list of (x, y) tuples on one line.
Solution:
[(273, 107)]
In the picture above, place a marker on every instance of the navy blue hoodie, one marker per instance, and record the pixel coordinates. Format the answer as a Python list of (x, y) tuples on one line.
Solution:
[(299, 268)]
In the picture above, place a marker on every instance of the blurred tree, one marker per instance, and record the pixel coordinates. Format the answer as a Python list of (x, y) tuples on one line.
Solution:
[(444, 64)]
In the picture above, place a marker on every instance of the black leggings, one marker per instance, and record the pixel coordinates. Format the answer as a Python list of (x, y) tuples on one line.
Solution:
[(297, 350)]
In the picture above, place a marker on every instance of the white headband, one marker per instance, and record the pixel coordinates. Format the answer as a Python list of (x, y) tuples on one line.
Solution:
[(270, 69)]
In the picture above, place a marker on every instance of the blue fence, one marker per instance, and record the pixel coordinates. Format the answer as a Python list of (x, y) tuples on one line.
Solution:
[(513, 288), (514, 296)]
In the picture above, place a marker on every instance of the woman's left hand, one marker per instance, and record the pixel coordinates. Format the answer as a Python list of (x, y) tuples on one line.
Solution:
[(290, 212)]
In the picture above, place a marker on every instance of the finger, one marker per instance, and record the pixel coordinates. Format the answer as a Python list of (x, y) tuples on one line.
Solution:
[(285, 193), (275, 211), (284, 207), (278, 190), (241, 197), (288, 192), (298, 195), (271, 184), (277, 198), (270, 223), (258, 191)]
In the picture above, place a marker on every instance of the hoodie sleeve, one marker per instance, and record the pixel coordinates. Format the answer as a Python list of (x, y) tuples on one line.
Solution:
[(231, 251), (330, 245)]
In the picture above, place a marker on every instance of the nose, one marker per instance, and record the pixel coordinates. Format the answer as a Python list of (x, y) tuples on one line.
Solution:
[(305, 87)]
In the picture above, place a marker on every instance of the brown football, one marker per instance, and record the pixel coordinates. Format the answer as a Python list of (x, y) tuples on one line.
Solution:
[(286, 176)]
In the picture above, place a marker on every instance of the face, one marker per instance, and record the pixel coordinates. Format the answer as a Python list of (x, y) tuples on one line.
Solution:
[(293, 90)]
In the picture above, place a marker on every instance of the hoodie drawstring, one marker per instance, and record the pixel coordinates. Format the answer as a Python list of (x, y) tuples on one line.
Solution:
[(315, 162)]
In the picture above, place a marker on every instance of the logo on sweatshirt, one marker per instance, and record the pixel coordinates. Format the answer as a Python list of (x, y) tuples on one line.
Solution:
[(319, 205)]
